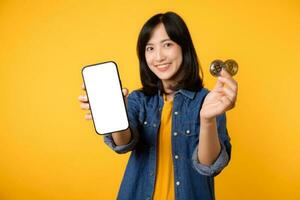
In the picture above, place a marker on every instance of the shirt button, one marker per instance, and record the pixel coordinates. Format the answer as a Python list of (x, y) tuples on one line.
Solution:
[(176, 157), (145, 122), (151, 173), (177, 183), (154, 125), (176, 113), (148, 198), (188, 131), (175, 133)]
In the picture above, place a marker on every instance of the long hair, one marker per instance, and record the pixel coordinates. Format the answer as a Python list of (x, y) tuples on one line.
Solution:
[(187, 77)]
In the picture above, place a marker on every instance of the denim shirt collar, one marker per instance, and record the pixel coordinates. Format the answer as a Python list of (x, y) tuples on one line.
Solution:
[(187, 93)]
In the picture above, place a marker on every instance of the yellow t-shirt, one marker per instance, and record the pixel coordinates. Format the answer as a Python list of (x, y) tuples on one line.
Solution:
[(164, 185)]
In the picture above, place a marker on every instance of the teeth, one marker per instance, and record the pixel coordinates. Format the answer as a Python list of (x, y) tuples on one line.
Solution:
[(162, 66)]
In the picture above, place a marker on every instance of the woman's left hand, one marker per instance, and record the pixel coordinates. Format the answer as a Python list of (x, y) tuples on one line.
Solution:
[(221, 99)]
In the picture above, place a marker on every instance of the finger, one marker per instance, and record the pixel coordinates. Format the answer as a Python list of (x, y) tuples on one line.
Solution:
[(85, 106), (83, 98), (227, 102), (83, 86), (229, 82), (125, 92), (230, 94), (88, 116)]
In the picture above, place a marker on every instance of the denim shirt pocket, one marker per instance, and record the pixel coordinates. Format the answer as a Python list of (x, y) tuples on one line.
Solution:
[(191, 128), (145, 121), (148, 125)]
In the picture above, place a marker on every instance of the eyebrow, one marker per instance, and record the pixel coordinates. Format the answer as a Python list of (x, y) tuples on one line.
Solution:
[(162, 41)]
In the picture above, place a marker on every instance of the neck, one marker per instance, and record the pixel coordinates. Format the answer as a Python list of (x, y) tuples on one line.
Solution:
[(167, 87), (169, 97)]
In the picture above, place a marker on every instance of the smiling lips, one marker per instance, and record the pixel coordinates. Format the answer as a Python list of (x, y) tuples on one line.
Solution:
[(163, 67)]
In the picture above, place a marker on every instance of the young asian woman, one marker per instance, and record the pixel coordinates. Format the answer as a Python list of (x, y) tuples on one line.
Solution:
[(177, 137)]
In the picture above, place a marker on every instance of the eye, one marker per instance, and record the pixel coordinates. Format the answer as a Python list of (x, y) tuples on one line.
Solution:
[(168, 44), (149, 48)]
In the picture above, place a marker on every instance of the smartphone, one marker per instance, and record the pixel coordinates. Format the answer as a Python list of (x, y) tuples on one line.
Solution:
[(104, 92)]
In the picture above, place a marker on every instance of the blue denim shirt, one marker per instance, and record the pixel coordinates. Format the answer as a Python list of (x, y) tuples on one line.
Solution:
[(193, 180)]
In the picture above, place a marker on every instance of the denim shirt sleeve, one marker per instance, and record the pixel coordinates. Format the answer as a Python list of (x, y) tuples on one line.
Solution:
[(133, 106), (224, 157)]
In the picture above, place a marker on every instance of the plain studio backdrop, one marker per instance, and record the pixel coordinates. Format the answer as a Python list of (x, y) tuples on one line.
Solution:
[(48, 151)]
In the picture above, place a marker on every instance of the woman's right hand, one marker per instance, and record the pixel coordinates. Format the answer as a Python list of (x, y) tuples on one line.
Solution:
[(84, 103)]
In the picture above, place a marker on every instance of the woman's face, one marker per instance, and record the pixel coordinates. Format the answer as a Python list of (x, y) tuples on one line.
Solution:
[(163, 56)]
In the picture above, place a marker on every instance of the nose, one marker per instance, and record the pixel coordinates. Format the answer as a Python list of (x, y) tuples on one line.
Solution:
[(159, 55)]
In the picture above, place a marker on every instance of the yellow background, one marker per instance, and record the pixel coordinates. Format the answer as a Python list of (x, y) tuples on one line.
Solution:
[(48, 150)]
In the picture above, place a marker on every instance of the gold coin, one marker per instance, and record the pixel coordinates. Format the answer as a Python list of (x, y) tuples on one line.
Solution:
[(231, 67), (216, 67)]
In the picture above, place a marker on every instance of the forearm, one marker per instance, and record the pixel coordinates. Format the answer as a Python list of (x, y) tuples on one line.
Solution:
[(209, 144), (122, 137)]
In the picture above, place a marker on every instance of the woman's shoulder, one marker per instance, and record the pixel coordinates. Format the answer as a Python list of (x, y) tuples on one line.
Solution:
[(137, 95), (202, 92)]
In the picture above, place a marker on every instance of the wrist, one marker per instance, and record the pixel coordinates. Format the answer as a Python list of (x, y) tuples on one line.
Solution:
[(207, 121)]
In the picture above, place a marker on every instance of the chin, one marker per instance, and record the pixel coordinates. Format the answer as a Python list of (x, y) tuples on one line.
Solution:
[(164, 77)]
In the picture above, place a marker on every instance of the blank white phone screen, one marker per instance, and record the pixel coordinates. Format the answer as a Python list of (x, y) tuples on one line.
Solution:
[(105, 97)]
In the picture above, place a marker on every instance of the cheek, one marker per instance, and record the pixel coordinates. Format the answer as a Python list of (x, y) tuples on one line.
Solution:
[(177, 55), (180, 59), (148, 59)]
